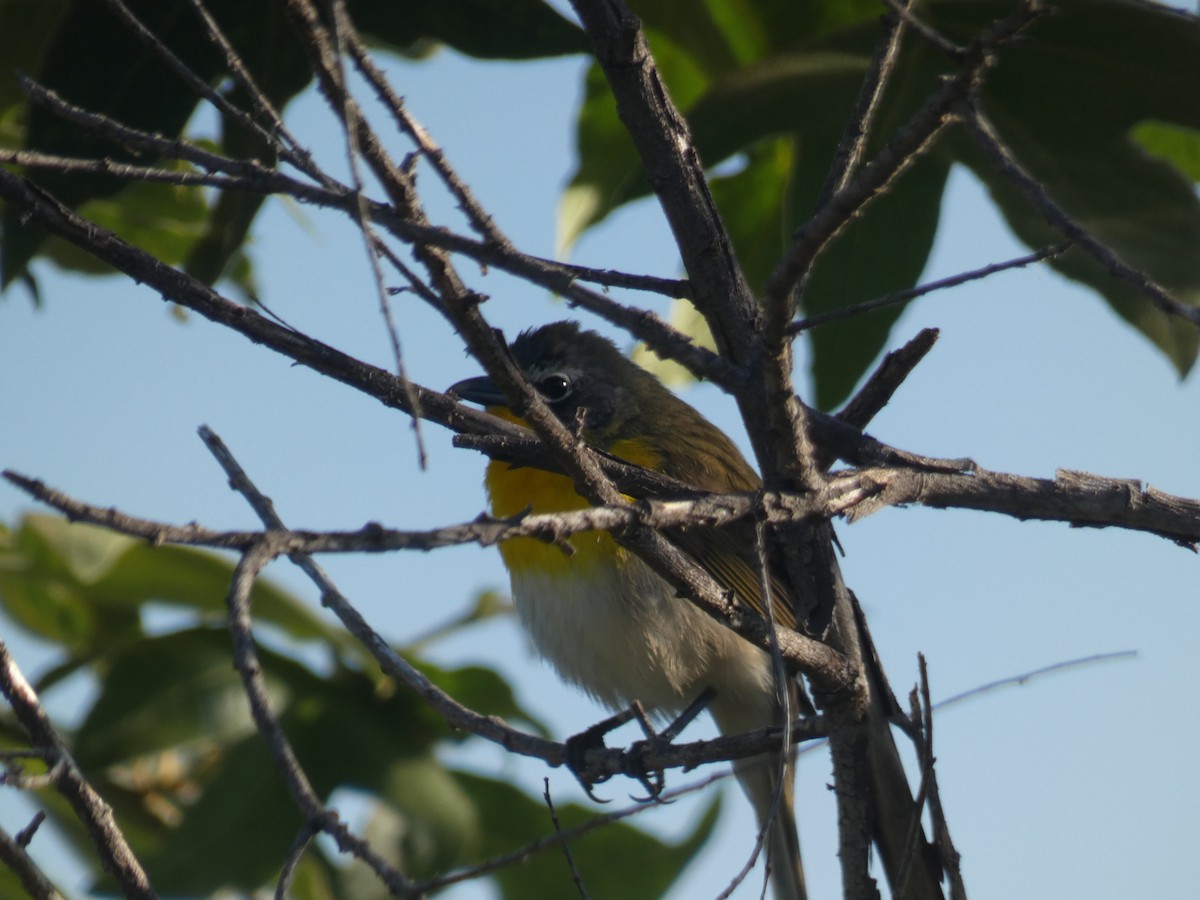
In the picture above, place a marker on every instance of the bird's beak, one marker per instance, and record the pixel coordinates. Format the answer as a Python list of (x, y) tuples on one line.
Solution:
[(479, 390)]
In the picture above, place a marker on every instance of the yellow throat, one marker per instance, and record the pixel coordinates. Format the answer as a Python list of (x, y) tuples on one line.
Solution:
[(514, 489)]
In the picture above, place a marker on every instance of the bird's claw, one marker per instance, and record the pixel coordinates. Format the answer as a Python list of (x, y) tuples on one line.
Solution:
[(633, 764), (575, 757), (633, 760)]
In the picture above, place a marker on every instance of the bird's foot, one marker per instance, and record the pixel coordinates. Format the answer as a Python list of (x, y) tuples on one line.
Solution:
[(578, 746), (633, 760)]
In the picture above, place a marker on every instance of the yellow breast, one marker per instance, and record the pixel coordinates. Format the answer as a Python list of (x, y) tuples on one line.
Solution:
[(514, 489)]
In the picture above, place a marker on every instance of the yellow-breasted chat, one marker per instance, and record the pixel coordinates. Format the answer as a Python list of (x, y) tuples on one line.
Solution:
[(600, 615)]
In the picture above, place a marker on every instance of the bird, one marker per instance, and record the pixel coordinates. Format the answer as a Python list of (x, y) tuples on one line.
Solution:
[(600, 615)]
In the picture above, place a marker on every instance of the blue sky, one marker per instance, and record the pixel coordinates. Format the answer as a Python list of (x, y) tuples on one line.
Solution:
[(1079, 785)]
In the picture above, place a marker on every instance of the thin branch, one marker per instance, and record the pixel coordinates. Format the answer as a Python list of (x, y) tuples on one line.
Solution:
[(853, 145), (289, 147), (910, 142), (252, 177), (713, 510), (245, 661), (14, 855), (341, 23), (949, 854), (300, 845), (480, 220), (576, 878), (1024, 677), (928, 32), (31, 159), (900, 297), (202, 89), (673, 168), (668, 287), (1077, 498), (103, 126), (994, 148), (90, 809), (645, 326), (891, 372)]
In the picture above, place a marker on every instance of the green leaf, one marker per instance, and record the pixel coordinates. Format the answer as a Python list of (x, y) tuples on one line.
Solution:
[(511, 820), (687, 319), (608, 173), (344, 735), (164, 219), (172, 692), (245, 819), (488, 29), (139, 91), (1065, 100), (1172, 143), (755, 206), (26, 28), (92, 570), (38, 589), (426, 823), (885, 250)]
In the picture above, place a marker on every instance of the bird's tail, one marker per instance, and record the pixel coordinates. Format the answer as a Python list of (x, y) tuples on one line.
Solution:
[(762, 778), (760, 781)]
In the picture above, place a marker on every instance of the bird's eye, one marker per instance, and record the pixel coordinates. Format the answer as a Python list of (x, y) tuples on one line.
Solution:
[(555, 387)]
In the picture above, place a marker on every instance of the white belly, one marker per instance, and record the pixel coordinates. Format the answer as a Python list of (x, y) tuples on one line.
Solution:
[(630, 638)]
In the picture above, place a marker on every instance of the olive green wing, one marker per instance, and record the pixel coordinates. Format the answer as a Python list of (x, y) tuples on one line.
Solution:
[(722, 552)]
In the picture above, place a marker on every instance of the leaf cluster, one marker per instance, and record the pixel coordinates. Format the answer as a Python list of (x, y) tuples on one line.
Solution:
[(1083, 101)]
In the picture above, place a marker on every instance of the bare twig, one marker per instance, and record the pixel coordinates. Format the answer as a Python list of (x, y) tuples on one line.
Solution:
[(720, 290), (245, 660), (904, 11), (93, 813), (290, 151), (949, 854), (851, 148), (286, 144), (909, 144), (14, 855), (886, 379), (853, 145), (300, 844), (899, 297), (994, 148), (1024, 677), (576, 878), (341, 25), (1079, 499), (712, 510)]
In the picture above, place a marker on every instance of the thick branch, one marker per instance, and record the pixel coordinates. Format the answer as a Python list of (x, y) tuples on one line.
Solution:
[(675, 173), (1077, 498)]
